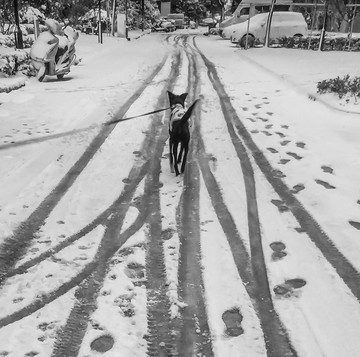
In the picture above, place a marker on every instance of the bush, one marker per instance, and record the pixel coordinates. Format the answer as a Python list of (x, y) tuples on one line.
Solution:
[(340, 86), (9, 41), (14, 62), (330, 44)]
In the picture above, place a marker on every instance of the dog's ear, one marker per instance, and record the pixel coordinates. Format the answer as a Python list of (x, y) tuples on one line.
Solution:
[(171, 97), (183, 97)]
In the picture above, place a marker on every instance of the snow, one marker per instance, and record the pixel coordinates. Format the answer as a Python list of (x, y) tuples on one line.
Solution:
[(318, 135)]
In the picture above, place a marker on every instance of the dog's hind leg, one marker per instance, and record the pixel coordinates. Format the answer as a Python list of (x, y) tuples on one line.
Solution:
[(186, 149), (171, 144), (180, 154), (175, 148)]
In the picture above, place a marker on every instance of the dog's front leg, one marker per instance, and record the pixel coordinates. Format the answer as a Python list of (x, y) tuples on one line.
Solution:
[(171, 144)]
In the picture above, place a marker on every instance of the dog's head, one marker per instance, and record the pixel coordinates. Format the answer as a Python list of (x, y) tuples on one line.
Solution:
[(177, 99)]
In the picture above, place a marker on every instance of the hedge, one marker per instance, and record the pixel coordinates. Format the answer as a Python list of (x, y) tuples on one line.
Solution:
[(16, 61), (330, 44)]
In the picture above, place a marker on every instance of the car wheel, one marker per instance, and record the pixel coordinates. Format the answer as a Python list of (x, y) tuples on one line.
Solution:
[(250, 41)]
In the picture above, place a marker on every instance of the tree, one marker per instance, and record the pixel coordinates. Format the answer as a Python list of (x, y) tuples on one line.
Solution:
[(192, 9), (134, 12)]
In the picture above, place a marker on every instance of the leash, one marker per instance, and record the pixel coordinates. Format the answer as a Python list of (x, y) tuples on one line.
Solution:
[(136, 116), (73, 132)]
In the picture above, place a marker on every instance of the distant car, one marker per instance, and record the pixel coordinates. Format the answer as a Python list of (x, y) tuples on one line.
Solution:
[(164, 25), (284, 23), (209, 21), (192, 24), (178, 18)]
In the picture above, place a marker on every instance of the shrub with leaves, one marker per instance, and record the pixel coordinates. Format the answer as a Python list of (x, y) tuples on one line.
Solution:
[(330, 44), (9, 41), (14, 62), (340, 86)]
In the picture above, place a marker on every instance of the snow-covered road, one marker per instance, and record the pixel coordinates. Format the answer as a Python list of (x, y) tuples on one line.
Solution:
[(254, 250)]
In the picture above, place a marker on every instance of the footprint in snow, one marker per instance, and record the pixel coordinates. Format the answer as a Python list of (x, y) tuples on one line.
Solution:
[(272, 150), (280, 134), (355, 224), (102, 344), (135, 271), (166, 234), (325, 184), (294, 155), (267, 133), (284, 161), (251, 119), (298, 188), (278, 173), (285, 142), (31, 354), (300, 144), (278, 250), (327, 169), (289, 287), (232, 319), (280, 205)]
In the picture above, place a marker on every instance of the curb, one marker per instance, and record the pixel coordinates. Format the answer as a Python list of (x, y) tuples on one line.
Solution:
[(9, 84)]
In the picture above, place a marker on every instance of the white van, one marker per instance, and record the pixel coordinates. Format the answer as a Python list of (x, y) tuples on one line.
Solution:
[(283, 24), (252, 7)]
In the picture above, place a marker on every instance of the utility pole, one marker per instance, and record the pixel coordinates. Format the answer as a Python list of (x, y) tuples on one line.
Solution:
[(268, 24), (113, 18), (323, 30), (18, 34), (142, 14), (100, 40), (126, 20)]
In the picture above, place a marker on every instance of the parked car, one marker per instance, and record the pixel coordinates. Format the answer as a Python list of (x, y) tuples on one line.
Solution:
[(250, 8), (164, 25), (228, 31), (284, 23), (178, 18)]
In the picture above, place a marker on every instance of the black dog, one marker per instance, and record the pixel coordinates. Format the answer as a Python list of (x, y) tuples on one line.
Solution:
[(179, 130)]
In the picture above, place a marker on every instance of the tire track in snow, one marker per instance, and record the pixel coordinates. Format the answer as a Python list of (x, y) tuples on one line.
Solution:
[(14, 247), (70, 338), (252, 270), (193, 333), (124, 200), (340, 263), (160, 338)]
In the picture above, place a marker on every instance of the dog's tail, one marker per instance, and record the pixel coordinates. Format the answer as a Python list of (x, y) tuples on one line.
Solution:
[(188, 113)]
